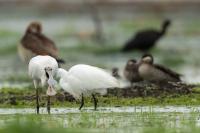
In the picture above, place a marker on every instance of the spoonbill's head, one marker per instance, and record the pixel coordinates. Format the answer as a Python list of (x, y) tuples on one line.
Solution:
[(51, 82), (35, 28), (147, 58), (48, 71), (61, 72)]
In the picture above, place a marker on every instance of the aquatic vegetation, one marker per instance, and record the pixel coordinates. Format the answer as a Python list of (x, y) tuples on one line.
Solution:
[(143, 122), (25, 97)]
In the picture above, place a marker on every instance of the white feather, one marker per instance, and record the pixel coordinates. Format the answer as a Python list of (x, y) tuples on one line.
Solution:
[(37, 65), (86, 79)]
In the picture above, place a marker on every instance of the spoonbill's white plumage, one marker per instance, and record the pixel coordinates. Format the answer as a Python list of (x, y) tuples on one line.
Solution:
[(84, 80), (42, 69)]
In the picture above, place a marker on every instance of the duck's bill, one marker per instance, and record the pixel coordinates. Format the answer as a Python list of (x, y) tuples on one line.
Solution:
[(51, 91)]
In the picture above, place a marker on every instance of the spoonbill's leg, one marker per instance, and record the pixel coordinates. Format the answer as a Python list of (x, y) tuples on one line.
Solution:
[(48, 104), (82, 101), (95, 102), (37, 96)]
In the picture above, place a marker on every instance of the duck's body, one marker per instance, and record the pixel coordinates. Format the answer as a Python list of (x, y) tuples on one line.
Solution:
[(131, 72), (156, 73), (35, 43), (84, 80), (145, 40)]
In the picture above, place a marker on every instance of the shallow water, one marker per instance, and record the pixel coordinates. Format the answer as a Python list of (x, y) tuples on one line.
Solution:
[(113, 120), (136, 109)]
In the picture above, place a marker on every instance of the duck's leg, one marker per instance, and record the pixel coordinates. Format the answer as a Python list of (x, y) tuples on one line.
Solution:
[(82, 101), (37, 97), (95, 101), (48, 104)]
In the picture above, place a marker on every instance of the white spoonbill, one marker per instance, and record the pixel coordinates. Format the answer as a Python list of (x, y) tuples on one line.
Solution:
[(84, 80), (41, 70)]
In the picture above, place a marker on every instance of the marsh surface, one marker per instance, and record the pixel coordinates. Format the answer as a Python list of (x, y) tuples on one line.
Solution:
[(135, 109), (72, 32)]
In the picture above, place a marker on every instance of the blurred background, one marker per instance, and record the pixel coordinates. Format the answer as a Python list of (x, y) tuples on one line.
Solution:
[(94, 32)]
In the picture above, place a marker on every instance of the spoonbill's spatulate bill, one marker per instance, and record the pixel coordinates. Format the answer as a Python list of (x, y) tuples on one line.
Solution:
[(42, 70), (84, 80)]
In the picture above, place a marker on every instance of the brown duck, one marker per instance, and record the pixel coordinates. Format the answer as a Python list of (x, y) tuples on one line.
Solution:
[(35, 43), (156, 73), (131, 71)]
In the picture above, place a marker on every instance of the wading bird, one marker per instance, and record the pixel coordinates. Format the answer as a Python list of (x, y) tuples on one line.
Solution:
[(35, 43), (156, 73), (145, 40), (131, 71), (42, 70), (84, 80)]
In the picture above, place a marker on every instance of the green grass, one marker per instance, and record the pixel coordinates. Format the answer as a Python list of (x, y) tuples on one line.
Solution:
[(148, 122), (20, 98)]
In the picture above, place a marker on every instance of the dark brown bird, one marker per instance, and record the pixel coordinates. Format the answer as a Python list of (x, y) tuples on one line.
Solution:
[(131, 71), (146, 39), (156, 73), (35, 43)]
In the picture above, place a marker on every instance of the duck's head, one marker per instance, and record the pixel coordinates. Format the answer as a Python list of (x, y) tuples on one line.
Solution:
[(115, 72), (131, 62), (166, 23), (147, 58), (34, 27)]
